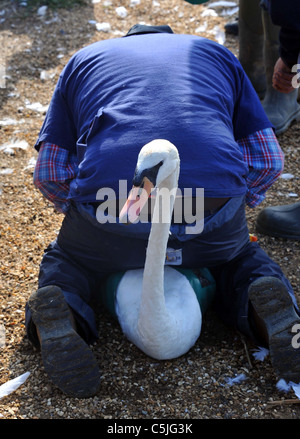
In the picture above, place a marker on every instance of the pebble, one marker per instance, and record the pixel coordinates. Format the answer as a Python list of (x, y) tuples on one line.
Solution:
[(41, 12), (133, 386), (121, 12), (2, 336), (103, 27)]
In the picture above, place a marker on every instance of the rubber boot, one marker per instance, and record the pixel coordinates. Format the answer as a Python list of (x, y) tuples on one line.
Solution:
[(67, 359), (281, 108), (275, 309), (280, 221), (251, 44)]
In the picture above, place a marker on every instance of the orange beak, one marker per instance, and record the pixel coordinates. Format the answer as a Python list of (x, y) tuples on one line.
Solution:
[(136, 200)]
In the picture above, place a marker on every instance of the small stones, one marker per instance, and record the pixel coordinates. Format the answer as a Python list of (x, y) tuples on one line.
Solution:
[(133, 385)]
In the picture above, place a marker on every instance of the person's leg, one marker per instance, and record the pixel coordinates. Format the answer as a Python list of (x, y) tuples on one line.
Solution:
[(281, 108), (258, 53), (59, 269), (69, 283), (67, 359), (251, 44), (253, 295), (60, 321), (275, 318), (280, 221)]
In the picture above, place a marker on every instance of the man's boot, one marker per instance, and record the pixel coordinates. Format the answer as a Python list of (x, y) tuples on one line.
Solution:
[(273, 307), (280, 221), (251, 43), (281, 108), (67, 359)]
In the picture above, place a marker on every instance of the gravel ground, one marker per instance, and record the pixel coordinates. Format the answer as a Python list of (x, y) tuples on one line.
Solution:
[(34, 50)]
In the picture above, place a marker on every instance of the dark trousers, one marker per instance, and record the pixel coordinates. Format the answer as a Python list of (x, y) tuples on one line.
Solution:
[(85, 252)]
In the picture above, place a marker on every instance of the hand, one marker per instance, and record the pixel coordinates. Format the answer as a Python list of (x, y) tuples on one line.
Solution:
[(282, 77)]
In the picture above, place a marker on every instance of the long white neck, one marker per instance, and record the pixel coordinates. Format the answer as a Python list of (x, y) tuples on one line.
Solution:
[(152, 308)]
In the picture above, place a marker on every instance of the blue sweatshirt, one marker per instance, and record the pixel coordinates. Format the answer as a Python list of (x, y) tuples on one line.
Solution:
[(116, 95)]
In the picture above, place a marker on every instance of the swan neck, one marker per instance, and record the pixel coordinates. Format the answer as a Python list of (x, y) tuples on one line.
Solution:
[(153, 281)]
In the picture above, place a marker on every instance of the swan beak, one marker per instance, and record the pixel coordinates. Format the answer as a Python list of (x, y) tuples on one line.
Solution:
[(136, 200)]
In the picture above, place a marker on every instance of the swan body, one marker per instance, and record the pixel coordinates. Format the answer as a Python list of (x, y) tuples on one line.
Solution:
[(164, 333), (157, 307)]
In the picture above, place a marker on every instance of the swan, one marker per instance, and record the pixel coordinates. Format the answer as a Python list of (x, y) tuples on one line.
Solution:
[(156, 307)]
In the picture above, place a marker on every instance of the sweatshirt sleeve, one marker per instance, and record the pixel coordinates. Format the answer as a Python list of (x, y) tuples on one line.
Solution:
[(54, 170)]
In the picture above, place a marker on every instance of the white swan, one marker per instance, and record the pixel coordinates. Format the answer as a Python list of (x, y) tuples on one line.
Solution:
[(156, 306)]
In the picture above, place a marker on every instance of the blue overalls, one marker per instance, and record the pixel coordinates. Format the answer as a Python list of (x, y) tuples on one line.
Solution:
[(85, 252)]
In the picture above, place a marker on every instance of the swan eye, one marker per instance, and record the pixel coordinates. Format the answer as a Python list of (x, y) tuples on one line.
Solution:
[(150, 173), (141, 187)]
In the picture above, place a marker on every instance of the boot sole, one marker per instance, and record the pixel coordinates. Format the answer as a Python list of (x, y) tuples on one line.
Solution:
[(274, 306), (67, 359)]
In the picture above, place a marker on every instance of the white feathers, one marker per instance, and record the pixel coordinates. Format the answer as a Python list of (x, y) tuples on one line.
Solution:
[(260, 353), (12, 385), (157, 308), (236, 380), (283, 386), (296, 388), (161, 330)]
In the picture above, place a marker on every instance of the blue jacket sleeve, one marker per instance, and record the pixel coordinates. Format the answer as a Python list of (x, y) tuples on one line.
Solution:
[(287, 15)]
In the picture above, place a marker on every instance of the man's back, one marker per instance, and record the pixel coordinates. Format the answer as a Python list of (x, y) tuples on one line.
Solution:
[(122, 93)]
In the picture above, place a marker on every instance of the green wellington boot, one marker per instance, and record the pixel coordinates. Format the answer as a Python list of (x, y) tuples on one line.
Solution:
[(281, 108)]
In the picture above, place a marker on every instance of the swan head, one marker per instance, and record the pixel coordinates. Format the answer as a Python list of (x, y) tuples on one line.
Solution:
[(156, 161)]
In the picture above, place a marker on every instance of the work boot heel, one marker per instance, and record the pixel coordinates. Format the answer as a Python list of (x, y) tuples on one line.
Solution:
[(273, 304), (67, 359)]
